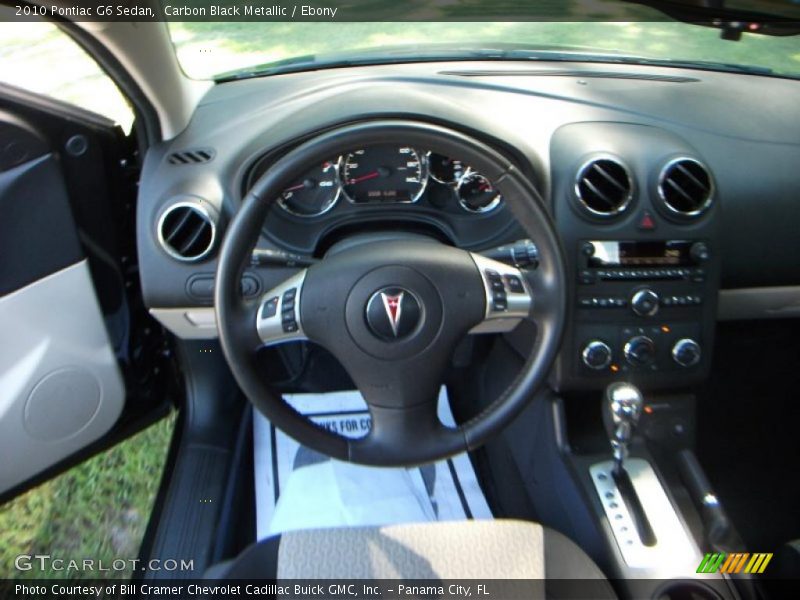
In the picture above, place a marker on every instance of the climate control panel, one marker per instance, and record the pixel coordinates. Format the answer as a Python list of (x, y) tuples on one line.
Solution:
[(626, 349)]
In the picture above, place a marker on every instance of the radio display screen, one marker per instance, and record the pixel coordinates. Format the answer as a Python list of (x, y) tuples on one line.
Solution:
[(640, 253)]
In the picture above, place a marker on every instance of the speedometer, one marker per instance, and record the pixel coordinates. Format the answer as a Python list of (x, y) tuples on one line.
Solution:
[(383, 173)]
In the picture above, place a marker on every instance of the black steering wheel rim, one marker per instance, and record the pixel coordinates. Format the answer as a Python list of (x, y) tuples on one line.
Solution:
[(239, 339)]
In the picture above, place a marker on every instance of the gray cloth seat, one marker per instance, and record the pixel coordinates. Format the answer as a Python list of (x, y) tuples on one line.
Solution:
[(499, 549)]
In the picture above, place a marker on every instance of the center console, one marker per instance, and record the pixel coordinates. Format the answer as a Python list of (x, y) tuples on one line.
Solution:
[(637, 210)]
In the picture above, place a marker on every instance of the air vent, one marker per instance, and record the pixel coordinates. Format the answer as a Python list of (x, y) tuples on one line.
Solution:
[(186, 231), (604, 187), (194, 156), (685, 186)]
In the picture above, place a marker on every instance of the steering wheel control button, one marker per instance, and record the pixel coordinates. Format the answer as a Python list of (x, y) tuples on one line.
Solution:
[(270, 308), (596, 355), (393, 313), (499, 298), (644, 303), (640, 351), (514, 284)]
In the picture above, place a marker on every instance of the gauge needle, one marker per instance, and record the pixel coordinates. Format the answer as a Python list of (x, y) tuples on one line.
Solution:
[(372, 175), (294, 188)]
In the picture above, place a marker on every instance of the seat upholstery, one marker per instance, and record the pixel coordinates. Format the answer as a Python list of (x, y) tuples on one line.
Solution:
[(498, 549), (454, 550)]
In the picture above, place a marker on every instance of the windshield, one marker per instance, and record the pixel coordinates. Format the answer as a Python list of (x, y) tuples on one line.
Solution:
[(207, 50)]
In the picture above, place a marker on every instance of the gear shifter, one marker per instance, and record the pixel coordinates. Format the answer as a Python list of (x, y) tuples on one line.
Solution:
[(622, 407)]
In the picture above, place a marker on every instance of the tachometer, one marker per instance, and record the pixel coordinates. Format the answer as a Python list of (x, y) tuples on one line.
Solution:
[(313, 195), (477, 194), (383, 173)]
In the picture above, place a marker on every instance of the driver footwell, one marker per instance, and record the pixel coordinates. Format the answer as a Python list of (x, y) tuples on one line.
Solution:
[(298, 488)]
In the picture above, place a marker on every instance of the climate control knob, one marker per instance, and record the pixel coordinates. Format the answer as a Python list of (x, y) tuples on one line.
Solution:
[(596, 355), (645, 303), (686, 352), (640, 351)]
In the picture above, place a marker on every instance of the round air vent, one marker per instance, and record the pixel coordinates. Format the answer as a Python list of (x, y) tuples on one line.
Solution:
[(186, 231), (604, 187), (686, 187)]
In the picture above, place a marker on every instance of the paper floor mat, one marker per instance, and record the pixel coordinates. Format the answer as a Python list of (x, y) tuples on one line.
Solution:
[(298, 488)]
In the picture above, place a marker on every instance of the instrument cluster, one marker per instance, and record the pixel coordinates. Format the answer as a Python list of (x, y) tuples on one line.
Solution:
[(388, 174)]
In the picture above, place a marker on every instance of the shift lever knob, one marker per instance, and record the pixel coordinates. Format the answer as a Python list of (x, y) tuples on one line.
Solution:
[(622, 407)]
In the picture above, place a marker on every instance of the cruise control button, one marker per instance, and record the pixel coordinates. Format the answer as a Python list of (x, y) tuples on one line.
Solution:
[(290, 327), (289, 294), (270, 308), (515, 284)]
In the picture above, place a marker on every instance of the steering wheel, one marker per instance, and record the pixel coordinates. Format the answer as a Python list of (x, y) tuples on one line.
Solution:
[(393, 311)]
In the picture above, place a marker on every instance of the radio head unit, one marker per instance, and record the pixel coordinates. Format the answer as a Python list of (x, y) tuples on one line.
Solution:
[(673, 253)]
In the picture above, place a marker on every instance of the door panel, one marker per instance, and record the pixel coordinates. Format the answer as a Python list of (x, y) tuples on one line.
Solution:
[(60, 384)]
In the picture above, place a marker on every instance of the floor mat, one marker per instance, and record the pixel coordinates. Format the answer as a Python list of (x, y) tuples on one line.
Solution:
[(298, 488)]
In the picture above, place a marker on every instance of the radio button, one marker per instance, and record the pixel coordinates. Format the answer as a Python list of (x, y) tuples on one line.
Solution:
[(700, 252), (644, 303)]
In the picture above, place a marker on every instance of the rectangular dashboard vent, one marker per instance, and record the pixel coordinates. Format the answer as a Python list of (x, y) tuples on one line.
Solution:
[(569, 73), (193, 156)]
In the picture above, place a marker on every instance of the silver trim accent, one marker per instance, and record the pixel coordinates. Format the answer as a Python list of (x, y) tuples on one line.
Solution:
[(480, 211), (200, 209), (580, 174), (660, 187), (271, 330), (328, 207), (188, 323), (674, 554), (588, 348), (641, 293), (424, 175), (519, 305), (679, 346)]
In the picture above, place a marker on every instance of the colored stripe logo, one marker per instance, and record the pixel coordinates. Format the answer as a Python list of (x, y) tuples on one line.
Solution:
[(736, 562)]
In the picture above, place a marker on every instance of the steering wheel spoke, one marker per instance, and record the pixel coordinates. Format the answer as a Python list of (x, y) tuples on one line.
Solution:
[(509, 298), (278, 317)]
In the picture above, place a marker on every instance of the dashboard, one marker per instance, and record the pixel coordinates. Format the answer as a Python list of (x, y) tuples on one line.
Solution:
[(674, 192)]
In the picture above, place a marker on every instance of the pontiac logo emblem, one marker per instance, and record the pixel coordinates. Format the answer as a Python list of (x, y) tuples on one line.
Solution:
[(393, 313), (394, 309)]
